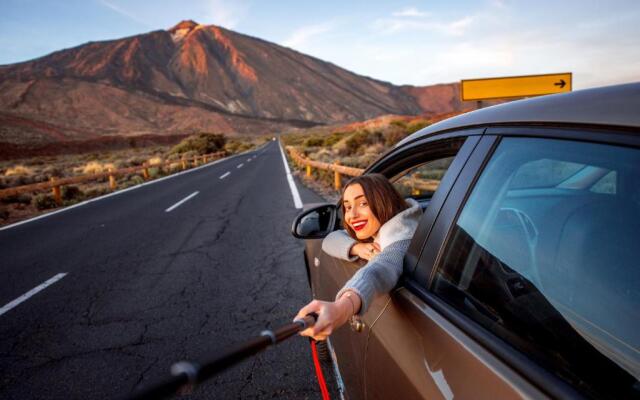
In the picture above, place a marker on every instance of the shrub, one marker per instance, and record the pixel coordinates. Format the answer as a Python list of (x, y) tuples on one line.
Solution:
[(20, 170), (17, 199), (44, 201), (72, 193), (4, 214), (95, 192), (357, 142), (236, 146), (202, 143), (313, 141), (95, 167), (399, 123), (416, 126), (332, 139)]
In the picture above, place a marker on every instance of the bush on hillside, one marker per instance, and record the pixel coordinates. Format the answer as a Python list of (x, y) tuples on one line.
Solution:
[(357, 142), (72, 193), (202, 143), (44, 201)]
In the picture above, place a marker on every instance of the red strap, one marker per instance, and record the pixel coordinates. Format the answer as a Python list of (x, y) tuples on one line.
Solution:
[(316, 363)]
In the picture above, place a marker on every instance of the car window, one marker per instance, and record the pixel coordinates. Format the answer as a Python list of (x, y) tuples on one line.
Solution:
[(423, 180), (543, 255)]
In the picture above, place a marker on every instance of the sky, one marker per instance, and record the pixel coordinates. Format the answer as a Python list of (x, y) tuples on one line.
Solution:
[(402, 42)]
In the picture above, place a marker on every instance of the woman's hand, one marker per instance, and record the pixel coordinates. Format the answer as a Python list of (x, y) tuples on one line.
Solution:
[(331, 316), (365, 250)]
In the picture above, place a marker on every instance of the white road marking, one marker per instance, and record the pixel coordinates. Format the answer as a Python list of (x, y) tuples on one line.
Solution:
[(119, 192), (292, 185), (225, 175), (32, 292), (248, 159), (240, 165), (178, 204)]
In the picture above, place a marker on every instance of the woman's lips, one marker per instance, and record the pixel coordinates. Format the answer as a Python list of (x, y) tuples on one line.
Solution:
[(358, 225)]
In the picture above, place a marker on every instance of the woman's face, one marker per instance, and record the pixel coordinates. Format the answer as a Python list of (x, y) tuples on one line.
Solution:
[(358, 214)]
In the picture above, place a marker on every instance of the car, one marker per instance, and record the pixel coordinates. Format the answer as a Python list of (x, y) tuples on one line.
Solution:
[(523, 277)]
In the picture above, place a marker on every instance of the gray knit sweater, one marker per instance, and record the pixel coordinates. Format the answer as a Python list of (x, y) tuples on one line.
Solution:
[(382, 272)]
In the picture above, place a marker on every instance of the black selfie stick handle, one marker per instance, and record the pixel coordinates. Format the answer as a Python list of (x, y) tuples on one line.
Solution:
[(189, 374)]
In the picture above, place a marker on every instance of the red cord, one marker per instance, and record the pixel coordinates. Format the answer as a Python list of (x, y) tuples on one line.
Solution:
[(316, 363)]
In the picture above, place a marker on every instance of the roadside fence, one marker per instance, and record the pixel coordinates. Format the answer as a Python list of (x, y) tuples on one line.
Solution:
[(338, 169), (414, 184), (56, 184)]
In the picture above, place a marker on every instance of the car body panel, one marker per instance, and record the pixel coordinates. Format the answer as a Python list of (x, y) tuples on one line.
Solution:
[(414, 344)]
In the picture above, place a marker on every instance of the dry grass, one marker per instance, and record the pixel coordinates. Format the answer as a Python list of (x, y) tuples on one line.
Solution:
[(94, 167), (40, 169), (19, 170)]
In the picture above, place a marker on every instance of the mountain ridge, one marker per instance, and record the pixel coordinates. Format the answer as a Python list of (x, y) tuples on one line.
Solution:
[(191, 78)]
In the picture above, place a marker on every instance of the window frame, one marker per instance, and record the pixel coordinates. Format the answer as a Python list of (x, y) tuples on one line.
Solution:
[(430, 258), (412, 154)]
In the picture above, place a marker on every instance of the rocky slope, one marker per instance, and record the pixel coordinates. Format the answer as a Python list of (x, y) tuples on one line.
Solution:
[(192, 78)]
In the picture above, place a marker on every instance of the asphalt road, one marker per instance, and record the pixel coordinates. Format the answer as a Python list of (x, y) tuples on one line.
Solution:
[(145, 287)]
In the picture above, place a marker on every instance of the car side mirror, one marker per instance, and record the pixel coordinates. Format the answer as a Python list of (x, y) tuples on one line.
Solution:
[(315, 222)]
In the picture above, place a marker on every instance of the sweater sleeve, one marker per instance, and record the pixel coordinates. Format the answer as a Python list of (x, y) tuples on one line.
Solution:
[(379, 276), (338, 244)]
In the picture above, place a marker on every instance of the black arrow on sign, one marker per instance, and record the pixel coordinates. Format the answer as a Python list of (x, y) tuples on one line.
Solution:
[(561, 83)]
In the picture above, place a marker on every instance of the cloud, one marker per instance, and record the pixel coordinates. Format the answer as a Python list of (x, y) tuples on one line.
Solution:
[(395, 25), (301, 36), (225, 13), (124, 12), (410, 12)]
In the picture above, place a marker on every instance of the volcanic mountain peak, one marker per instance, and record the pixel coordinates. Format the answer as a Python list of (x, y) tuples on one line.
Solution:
[(182, 29)]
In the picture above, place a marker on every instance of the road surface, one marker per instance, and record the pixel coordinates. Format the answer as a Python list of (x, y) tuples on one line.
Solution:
[(168, 271)]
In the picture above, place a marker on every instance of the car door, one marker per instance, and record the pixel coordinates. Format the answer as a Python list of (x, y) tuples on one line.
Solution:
[(527, 285), (328, 275), (412, 178)]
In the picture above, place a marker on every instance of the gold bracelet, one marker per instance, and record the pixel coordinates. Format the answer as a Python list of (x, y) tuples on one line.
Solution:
[(353, 305)]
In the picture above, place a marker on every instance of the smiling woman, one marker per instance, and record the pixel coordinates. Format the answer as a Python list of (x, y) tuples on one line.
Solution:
[(378, 224)]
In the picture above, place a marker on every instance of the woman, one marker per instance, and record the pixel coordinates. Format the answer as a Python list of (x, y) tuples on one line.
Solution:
[(378, 226)]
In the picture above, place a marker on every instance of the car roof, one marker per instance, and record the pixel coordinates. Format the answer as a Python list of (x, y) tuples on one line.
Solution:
[(617, 105)]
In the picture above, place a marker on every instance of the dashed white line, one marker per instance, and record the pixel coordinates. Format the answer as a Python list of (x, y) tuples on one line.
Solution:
[(178, 204), (248, 159), (225, 175), (292, 185), (32, 292), (240, 165)]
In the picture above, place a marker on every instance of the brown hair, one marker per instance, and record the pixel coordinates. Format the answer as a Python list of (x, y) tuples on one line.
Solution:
[(385, 202)]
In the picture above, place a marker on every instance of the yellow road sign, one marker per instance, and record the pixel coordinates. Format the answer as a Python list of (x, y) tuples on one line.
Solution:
[(515, 86)]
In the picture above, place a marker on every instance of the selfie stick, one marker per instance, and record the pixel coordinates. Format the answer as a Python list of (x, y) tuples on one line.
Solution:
[(187, 374)]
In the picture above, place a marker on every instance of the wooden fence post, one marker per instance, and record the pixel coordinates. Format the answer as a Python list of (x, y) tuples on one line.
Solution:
[(184, 164), (145, 172), (112, 180), (308, 171), (195, 161), (337, 181), (57, 193)]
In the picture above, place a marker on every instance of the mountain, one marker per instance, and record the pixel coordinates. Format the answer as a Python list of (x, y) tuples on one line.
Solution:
[(192, 78)]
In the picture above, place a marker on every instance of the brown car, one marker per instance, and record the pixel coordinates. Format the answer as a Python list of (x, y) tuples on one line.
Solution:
[(523, 277)]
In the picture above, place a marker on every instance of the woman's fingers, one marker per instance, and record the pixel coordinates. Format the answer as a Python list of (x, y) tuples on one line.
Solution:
[(328, 319)]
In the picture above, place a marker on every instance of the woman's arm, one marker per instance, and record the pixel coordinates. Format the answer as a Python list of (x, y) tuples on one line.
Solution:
[(340, 245), (379, 276), (376, 278)]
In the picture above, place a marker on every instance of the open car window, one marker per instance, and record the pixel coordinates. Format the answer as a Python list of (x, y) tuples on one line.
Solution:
[(422, 181)]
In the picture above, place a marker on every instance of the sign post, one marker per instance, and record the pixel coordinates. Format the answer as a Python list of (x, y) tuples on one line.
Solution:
[(514, 86)]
